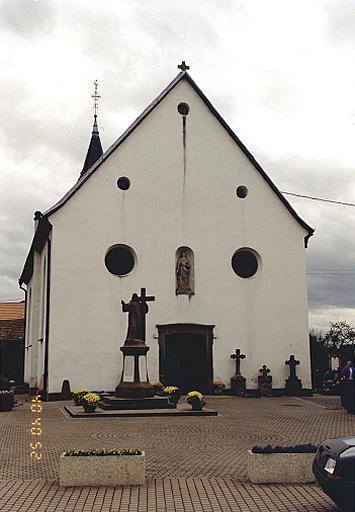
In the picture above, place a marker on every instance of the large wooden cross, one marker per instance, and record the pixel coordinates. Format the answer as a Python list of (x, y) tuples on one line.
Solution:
[(143, 299), (237, 356), (292, 363)]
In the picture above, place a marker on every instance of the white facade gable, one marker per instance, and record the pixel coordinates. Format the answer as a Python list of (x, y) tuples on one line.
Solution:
[(182, 194)]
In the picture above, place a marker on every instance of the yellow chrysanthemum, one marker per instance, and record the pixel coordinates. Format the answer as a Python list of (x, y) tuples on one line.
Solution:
[(81, 391), (170, 389), (91, 398)]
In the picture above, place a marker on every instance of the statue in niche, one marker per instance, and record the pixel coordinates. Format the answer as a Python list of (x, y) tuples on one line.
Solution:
[(183, 274)]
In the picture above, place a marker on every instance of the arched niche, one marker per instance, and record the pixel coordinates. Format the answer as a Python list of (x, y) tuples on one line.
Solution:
[(184, 271)]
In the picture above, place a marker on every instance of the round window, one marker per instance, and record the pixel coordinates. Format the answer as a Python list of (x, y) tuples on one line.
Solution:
[(245, 263), (242, 192), (123, 183), (119, 260), (183, 108)]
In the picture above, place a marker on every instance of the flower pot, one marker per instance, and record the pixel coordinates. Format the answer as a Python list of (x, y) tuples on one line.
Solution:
[(78, 400), (89, 407), (174, 398), (6, 401), (197, 407)]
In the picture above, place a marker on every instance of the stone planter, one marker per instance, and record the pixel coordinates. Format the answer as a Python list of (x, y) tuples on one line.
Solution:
[(279, 468), (96, 470)]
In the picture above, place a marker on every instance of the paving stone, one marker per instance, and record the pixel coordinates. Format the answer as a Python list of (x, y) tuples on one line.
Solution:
[(193, 464)]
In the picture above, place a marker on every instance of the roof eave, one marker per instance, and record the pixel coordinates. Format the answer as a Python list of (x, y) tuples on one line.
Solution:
[(38, 242)]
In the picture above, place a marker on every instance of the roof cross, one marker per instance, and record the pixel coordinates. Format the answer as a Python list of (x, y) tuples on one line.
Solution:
[(183, 66), (96, 97)]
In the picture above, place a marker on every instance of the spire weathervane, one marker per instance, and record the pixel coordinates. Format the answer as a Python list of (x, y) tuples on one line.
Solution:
[(183, 66), (96, 97)]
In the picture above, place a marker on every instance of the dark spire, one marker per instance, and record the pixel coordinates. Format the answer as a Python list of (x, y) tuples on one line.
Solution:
[(95, 149)]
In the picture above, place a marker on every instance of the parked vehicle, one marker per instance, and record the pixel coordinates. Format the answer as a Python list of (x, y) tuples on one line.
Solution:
[(334, 469)]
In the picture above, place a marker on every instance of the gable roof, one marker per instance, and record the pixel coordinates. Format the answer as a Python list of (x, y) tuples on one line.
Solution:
[(181, 76), (44, 226)]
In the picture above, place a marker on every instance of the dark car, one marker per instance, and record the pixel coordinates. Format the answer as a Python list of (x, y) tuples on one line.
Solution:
[(334, 469)]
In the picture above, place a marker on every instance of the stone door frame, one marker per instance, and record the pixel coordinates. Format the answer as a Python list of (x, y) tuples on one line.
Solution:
[(203, 330)]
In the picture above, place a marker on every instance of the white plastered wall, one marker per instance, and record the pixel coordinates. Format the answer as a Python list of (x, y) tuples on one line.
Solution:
[(165, 208), (36, 321)]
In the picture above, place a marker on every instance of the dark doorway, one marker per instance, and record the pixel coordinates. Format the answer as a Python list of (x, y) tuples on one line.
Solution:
[(186, 356)]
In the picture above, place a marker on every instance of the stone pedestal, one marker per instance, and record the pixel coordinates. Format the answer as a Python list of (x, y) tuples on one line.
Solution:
[(293, 386), (265, 385), (238, 385), (133, 384), (156, 402)]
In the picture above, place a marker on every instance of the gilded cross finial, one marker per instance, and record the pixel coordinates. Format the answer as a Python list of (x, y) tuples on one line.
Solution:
[(96, 97), (183, 66)]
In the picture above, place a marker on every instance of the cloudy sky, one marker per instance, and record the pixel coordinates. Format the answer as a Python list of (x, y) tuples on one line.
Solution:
[(281, 73)]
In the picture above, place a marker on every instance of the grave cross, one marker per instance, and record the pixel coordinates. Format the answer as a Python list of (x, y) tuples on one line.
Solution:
[(237, 356), (183, 66), (292, 363), (264, 370), (143, 299)]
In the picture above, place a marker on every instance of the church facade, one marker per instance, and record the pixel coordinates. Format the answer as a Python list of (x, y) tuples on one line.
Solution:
[(178, 206)]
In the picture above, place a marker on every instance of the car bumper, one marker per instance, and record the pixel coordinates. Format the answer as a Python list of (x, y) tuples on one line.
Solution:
[(339, 491)]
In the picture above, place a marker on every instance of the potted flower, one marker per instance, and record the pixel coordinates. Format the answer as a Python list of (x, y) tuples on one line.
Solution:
[(158, 388), (173, 392), (90, 401), (6, 395), (218, 387), (195, 399), (78, 395)]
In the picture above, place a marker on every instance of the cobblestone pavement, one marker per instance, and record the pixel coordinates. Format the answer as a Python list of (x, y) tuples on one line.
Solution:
[(195, 463), (167, 495)]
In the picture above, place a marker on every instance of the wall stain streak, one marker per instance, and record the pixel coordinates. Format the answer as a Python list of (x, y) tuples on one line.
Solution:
[(184, 147)]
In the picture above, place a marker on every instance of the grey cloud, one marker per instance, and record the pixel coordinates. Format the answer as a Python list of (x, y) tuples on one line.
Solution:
[(331, 251), (341, 21), (27, 18)]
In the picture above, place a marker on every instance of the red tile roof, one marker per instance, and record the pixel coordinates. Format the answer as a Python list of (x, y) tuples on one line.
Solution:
[(12, 310)]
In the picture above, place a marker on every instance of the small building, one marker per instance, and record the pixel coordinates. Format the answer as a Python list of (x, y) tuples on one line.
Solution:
[(179, 206), (12, 339)]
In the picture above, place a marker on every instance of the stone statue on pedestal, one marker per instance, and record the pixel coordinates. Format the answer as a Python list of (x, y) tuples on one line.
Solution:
[(137, 311)]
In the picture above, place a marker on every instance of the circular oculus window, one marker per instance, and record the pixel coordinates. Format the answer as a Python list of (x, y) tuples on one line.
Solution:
[(183, 108), (245, 263), (242, 191), (123, 183), (119, 260)]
